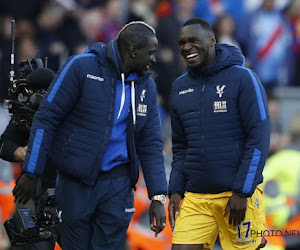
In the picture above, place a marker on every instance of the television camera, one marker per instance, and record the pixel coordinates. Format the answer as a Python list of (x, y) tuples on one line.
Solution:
[(26, 92), (36, 220), (34, 223)]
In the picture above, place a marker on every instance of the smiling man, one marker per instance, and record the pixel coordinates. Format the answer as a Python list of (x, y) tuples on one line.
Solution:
[(220, 143), (98, 121)]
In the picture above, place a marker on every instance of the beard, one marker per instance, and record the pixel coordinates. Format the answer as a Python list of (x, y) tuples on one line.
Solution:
[(204, 61)]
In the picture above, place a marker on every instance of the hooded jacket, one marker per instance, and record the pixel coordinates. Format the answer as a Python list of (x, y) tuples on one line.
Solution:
[(74, 121), (221, 134)]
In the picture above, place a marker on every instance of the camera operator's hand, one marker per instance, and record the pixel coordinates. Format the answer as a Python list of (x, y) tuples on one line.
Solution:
[(20, 153), (25, 188)]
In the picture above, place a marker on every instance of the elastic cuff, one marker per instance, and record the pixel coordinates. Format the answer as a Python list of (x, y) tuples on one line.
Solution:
[(182, 195)]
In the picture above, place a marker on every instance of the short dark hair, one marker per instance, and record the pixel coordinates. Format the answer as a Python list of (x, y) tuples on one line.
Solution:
[(204, 24), (135, 33)]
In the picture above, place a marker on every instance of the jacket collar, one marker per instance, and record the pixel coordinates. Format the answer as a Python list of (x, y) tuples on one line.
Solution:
[(114, 56)]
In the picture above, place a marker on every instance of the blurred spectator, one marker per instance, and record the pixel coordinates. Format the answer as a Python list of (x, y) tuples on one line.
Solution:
[(90, 24), (169, 62), (6, 184), (282, 190), (279, 139), (116, 13), (27, 48), (78, 5), (265, 37), (164, 8), (58, 33), (49, 21), (28, 9), (7, 205), (112, 13), (251, 5), (224, 29), (212, 9), (145, 9), (4, 117), (5, 50), (24, 27), (293, 12)]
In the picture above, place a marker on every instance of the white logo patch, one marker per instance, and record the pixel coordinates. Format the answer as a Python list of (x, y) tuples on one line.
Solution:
[(220, 106), (22, 98), (98, 78), (59, 213), (220, 90), (183, 92), (142, 96), (141, 110), (130, 210)]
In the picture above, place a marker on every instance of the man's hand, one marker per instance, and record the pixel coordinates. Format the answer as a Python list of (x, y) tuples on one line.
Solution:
[(25, 188), (19, 154), (237, 206), (174, 208), (157, 211)]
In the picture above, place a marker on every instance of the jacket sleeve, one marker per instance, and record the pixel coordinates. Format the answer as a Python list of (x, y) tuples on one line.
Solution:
[(149, 149), (255, 121), (59, 100), (12, 138), (179, 147)]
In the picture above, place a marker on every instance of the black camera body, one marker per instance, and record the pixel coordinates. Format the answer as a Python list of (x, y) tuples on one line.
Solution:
[(34, 224), (26, 92)]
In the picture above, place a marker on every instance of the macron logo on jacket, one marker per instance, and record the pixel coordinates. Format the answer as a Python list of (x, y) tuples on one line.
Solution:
[(183, 92), (98, 78)]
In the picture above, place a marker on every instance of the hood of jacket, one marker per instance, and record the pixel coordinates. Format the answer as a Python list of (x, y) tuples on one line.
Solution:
[(226, 56)]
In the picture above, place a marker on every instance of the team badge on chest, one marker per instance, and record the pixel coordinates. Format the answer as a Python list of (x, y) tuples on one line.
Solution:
[(142, 110), (220, 90), (220, 106)]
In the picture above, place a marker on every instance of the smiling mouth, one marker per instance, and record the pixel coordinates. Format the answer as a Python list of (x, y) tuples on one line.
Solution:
[(190, 56)]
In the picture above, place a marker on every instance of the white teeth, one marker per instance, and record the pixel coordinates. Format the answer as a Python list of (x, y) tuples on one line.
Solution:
[(191, 55)]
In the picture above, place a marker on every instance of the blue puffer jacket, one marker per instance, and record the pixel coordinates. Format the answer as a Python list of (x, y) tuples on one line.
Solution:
[(221, 128), (74, 122)]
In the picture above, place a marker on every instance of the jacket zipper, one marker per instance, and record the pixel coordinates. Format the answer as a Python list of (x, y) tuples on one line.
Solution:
[(109, 117), (202, 114)]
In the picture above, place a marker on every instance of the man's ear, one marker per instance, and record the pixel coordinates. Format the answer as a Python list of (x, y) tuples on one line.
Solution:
[(212, 41), (133, 50)]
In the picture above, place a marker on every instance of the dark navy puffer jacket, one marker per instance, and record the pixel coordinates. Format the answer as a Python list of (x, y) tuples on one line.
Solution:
[(221, 128), (74, 122)]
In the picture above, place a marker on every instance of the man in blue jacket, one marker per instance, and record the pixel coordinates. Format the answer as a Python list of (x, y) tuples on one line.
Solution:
[(220, 144), (98, 120)]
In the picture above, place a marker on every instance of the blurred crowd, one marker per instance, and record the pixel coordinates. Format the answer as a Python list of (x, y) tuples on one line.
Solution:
[(266, 31)]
